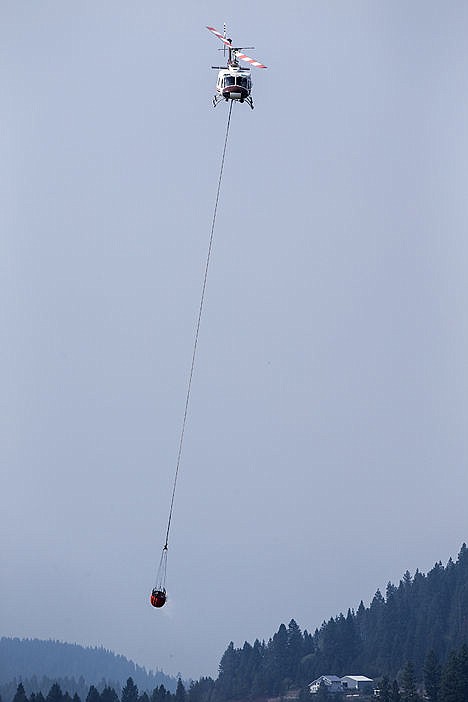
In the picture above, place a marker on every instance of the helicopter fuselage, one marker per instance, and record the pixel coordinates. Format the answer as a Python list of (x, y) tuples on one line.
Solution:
[(234, 83)]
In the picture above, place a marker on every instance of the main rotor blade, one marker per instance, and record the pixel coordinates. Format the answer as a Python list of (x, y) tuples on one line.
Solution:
[(220, 36), (252, 61)]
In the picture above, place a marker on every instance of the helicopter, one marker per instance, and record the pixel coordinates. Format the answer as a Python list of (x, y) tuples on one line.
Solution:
[(234, 81)]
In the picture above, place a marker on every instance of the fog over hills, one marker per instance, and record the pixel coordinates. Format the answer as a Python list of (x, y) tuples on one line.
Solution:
[(33, 660)]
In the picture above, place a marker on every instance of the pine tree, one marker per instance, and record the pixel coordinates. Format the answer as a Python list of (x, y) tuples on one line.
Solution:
[(385, 690), (180, 693), (295, 649), (432, 673), (93, 695), (109, 695), (395, 696), (20, 695), (160, 694), (55, 694), (130, 692), (407, 580), (408, 683), (225, 684), (449, 686), (201, 691), (278, 657), (463, 672), (351, 639)]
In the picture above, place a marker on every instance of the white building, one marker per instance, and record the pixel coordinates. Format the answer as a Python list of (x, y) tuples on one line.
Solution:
[(332, 682), (357, 682)]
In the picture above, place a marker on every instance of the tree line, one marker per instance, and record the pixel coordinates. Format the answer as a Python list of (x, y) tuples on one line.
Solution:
[(447, 682), (130, 693)]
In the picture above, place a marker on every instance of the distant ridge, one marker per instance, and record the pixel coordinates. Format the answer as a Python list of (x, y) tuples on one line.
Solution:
[(40, 662)]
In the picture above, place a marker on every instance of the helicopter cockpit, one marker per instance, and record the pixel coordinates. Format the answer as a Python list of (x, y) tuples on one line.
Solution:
[(243, 81)]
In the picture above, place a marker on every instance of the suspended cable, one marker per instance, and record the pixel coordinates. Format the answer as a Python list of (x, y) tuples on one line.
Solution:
[(163, 562)]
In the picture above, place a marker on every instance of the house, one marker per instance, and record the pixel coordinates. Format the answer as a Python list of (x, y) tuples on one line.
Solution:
[(357, 682), (332, 683)]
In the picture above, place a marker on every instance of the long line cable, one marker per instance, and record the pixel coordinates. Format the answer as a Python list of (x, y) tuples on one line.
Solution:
[(197, 331)]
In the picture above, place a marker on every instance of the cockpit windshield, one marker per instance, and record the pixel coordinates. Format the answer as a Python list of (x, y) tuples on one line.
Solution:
[(242, 81), (229, 80)]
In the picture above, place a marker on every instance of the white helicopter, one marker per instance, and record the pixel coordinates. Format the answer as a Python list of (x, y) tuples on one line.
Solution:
[(234, 82)]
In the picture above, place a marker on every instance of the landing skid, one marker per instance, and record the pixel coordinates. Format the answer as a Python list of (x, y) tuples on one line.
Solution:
[(218, 98)]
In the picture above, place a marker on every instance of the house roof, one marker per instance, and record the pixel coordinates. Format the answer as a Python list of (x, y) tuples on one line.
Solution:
[(357, 678), (331, 678)]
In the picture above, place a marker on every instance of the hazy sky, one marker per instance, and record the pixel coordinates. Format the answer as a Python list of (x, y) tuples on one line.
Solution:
[(326, 447)]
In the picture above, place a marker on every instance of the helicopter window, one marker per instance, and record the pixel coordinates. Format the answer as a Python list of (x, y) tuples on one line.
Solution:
[(229, 80), (241, 80)]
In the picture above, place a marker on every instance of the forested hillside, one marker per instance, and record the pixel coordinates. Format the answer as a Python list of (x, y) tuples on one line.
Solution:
[(414, 635), (421, 614), (48, 661)]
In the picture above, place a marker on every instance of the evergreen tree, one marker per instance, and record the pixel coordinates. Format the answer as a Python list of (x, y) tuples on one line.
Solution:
[(110, 695), (130, 691), (226, 682), (449, 685), (385, 690), (432, 673), (20, 695), (160, 694), (276, 660), (330, 645), (256, 669), (201, 691), (55, 694), (408, 682), (395, 696), (295, 647), (93, 695), (463, 672), (180, 693)]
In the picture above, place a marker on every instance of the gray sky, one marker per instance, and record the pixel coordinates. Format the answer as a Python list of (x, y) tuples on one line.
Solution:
[(326, 448)]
